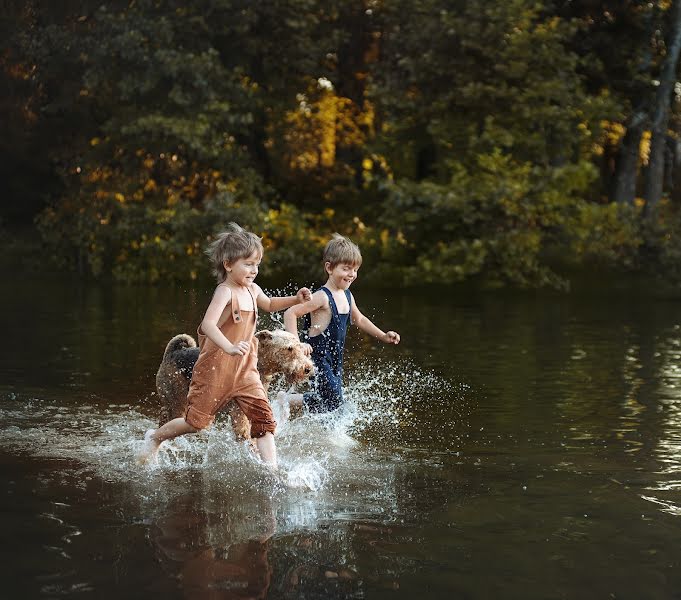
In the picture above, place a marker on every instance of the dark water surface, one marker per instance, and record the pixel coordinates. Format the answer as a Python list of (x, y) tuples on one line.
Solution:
[(513, 446)]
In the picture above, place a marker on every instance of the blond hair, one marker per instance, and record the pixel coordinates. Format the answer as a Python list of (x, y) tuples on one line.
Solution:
[(340, 250), (231, 245)]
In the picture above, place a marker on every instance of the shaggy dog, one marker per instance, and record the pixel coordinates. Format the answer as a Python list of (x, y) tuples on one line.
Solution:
[(279, 353)]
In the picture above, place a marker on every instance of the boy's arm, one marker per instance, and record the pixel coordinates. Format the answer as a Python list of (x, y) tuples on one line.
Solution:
[(280, 302), (221, 298), (365, 324), (292, 314)]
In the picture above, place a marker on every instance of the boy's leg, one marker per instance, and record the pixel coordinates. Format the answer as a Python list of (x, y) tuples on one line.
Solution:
[(267, 449), (326, 397), (154, 438), (327, 390), (288, 402), (172, 429), (256, 407), (293, 400)]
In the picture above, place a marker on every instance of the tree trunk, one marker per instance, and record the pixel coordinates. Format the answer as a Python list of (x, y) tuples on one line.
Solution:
[(627, 161), (658, 140), (675, 185)]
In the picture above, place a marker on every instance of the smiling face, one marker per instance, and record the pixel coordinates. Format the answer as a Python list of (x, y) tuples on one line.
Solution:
[(244, 270), (342, 275)]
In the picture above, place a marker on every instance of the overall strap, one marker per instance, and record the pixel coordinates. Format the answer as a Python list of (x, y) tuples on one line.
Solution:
[(236, 311), (255, 304), (332, 304), (348, 295)]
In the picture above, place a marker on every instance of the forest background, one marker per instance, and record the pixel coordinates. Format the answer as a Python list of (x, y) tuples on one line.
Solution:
[(508, 142)]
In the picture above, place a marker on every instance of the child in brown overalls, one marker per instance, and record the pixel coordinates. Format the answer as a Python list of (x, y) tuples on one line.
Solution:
[(227, 367)]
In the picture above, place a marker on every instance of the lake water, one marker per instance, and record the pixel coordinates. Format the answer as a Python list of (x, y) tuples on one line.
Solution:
[(513, 446)]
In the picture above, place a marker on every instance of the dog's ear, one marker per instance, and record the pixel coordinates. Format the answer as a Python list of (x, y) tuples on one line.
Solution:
[(264, 335)]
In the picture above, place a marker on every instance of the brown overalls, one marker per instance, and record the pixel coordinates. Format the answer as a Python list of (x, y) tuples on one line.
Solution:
[(219, 378)]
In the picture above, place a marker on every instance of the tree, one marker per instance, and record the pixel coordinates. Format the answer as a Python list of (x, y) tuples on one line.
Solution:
[(660, 111), (484, 107)]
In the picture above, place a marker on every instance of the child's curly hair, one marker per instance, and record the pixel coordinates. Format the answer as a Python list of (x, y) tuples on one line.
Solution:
[(231, 245)]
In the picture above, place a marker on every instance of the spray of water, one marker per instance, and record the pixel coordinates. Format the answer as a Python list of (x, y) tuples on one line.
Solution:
[(389, 407)]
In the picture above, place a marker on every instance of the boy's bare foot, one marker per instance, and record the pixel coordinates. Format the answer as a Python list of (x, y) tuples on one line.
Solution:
[(284, 407), (148, 455)]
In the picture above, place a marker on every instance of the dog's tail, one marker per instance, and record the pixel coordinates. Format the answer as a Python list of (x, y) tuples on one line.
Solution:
[(179, 342)]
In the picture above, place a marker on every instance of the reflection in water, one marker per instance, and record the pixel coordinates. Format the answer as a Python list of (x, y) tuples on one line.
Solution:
[(217, 553), (632, 415), (669, 444), (214, 513), (667, 487)]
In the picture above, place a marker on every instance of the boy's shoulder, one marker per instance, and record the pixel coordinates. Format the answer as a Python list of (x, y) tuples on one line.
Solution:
[(254, 288), (321, 297), (223, 289)]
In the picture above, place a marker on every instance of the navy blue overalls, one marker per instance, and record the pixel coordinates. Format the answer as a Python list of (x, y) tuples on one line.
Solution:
[(327, 355)]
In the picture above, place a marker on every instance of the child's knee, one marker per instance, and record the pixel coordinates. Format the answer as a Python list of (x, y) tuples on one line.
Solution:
[(197, 420)]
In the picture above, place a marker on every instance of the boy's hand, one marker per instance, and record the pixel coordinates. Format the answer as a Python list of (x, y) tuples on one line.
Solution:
[(303, 295), (391, 337), (239, 349), (307, 349)]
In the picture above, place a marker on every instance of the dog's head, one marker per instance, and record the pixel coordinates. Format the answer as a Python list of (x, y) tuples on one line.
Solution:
[(280, 352)]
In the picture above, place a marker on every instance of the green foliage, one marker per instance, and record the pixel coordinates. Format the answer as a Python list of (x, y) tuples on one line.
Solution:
[(480, 77), (150, 242), (452, 140), (294, 242), (498, 220), (140, 241), (662, 244), (181, 93), (609, 234)]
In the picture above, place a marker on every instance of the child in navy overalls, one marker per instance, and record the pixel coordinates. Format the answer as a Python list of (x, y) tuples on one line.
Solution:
[(326, 317), (327, 355)]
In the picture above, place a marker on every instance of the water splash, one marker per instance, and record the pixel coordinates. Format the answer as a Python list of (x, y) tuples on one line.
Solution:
[(388, 406), (304, 474)]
